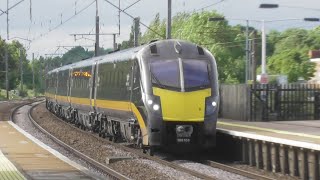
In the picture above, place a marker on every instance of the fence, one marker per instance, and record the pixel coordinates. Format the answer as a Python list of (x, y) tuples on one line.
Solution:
[(284, 102), (234, 102), (270, 102)]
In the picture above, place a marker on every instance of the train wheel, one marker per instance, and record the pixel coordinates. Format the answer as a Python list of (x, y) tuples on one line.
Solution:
[(148, 150), (114, 139), (56, 110), (103, 135), (110, 138)]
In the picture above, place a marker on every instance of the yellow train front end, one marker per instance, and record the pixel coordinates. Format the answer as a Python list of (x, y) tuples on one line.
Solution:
[(181, 95), (186, 122)]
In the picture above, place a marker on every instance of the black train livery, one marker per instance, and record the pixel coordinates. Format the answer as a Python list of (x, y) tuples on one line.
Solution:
[(163, 94)]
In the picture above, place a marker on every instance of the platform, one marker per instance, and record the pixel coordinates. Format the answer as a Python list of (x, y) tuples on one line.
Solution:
[(304, 134), (24, 157)]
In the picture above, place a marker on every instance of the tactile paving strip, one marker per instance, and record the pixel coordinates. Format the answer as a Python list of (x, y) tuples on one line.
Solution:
[(7, 170)]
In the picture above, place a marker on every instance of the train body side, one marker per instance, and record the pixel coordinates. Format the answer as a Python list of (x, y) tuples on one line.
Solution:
[(114, 95)]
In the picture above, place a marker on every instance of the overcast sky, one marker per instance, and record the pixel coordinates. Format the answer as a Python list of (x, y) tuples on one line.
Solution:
[(46, 14)]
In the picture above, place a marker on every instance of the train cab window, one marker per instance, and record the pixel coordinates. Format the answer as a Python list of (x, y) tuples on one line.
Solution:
[(136, 86), (165, 73), (168, 74), (196, 74)]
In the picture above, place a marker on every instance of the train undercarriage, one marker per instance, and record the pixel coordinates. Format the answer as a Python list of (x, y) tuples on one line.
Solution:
[(114, 129)]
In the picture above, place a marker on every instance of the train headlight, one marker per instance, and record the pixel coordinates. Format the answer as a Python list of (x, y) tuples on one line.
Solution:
[(211, 105), (153, 104), (214, 104), (149, 101), (156, 107)]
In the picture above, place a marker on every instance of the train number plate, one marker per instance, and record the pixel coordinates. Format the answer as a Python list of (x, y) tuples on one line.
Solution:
[(184, 133), (183, 140)]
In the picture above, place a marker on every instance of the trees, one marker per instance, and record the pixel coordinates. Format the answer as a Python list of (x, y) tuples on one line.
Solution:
[(13, 62), (290, 56), (75, 54), (157, 30)]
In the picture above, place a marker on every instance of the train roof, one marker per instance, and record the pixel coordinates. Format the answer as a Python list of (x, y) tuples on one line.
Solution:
[(191, 50), (115, 56)]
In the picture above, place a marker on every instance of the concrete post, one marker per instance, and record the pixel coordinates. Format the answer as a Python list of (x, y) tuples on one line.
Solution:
[(313, 166), (283, 159), (258, 154), (168, 34), (292, 157), (136, 31), (302, 164), (266, 156), (275, 158)]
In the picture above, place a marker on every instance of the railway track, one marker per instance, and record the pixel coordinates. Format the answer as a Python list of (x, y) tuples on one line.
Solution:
[(110, 172), (235, 170), (8, 107), (152, 158)]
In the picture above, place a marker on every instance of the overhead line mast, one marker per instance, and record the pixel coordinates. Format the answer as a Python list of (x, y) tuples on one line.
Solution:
[(97, 31), (6, 53), (168, 34)]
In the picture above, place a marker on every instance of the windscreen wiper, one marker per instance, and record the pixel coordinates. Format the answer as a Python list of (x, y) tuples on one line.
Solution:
[(157, 80)]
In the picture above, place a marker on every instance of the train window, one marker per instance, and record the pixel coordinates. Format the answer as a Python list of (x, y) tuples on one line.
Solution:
[(195, 73), (165, 73), (116, 81), (108, 77), (111, 77), (114, 78)]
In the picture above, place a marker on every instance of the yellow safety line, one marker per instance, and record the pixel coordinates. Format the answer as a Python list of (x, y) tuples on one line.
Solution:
[(8, 169), (269, 130)]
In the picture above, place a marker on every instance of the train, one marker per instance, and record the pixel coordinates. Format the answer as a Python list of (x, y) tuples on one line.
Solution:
[(161, 94)]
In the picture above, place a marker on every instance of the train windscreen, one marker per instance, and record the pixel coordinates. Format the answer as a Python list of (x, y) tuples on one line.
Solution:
[(166, 74), (195, 74)]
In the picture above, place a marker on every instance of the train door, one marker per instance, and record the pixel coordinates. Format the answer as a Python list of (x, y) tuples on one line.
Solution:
[(69, 85), (56, 80), (136, 97), (92, 85)]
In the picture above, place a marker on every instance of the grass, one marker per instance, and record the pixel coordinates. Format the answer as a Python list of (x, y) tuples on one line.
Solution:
[(14, 94)]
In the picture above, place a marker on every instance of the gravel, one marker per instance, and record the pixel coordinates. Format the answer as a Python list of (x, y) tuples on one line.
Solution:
[(214, 172), (264, 173)]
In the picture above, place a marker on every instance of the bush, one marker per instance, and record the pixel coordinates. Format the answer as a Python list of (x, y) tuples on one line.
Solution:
[(23, 93)]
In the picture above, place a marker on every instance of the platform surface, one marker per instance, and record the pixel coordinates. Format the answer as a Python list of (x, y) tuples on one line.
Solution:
[(304, 134), (24, 157)]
